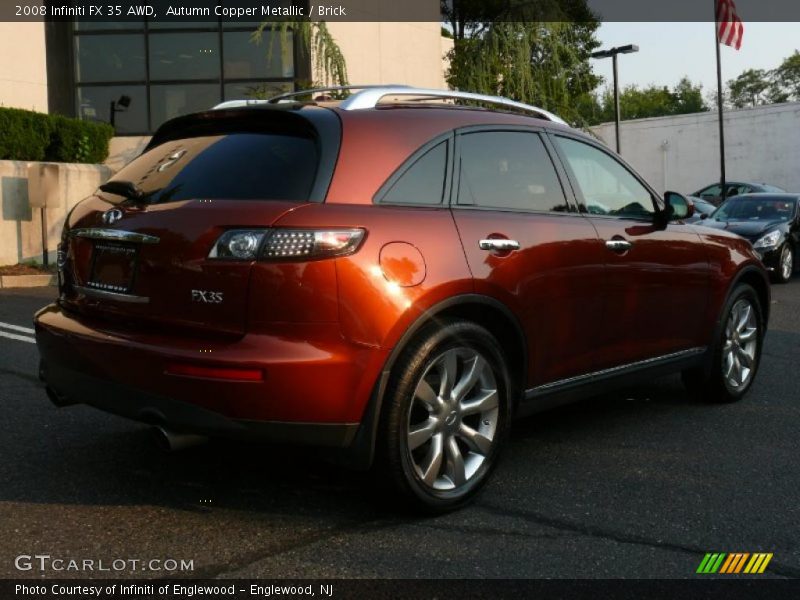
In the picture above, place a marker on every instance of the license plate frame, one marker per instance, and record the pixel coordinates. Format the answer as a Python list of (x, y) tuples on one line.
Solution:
[(114, 266)]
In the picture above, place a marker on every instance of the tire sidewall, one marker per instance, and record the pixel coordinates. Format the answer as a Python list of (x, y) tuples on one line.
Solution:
[(783, 278), (730, 394), (423, 353)]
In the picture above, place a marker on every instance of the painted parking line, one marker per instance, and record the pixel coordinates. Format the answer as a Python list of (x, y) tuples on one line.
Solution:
[(16, 328), (16, 336)]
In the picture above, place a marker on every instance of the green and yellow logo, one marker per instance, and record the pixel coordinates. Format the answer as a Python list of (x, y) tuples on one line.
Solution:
[(734, 562)]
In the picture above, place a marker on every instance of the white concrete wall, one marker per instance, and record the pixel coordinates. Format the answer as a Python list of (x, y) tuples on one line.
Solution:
[(21, 225), (23, 66), (682, 153)]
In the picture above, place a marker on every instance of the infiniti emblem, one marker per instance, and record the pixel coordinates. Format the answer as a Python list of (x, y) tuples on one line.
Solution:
[(112, 216)]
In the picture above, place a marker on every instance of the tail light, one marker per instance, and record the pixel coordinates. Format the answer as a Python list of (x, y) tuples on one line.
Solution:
[(286, 244)]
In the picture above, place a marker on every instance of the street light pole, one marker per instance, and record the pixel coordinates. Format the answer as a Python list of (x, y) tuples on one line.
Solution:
[(612, 54), (616, 104)]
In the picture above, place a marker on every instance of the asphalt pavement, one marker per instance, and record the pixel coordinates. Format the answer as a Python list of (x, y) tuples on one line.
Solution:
[(640, 483)]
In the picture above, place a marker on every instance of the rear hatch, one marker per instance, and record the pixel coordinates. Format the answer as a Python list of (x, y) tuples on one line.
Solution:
[(138, 250)]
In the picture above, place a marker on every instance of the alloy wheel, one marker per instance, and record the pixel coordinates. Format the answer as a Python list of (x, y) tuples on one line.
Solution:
[(787, 263), (452, 420), (741, 342)]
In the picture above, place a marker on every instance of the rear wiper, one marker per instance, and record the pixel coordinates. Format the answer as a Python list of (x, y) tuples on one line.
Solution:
[(123, 188)]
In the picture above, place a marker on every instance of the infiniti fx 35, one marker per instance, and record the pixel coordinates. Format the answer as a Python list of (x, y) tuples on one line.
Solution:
[(391, 280)]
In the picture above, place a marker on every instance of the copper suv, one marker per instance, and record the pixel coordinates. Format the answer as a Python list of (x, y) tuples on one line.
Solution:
[(393, 276)]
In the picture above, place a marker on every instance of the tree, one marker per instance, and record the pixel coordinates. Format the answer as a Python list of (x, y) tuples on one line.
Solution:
[(328, 67), (748, 88), (533, 51), (651, 101), (785, 80), (688, 98)]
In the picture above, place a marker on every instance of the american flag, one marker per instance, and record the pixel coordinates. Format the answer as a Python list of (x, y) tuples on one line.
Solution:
[(729, 26)]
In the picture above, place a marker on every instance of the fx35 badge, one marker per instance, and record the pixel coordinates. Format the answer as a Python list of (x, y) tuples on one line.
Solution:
[(206, 297)]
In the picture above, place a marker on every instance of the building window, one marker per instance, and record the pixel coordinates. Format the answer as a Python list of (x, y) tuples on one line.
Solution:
[(171, 69)]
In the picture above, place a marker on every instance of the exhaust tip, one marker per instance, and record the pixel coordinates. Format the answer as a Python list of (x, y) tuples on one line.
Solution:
[(171, 441)]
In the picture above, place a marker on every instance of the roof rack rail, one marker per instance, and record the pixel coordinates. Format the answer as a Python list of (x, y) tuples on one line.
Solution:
[(369, 96), (287, 96), (238, 103), (334, 88)]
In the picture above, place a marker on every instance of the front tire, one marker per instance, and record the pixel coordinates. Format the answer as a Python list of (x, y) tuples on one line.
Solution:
[(736, 351), (785, 265), (446, 417)]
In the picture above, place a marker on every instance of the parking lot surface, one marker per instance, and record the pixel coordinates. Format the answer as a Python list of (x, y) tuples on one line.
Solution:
[(639, 483)]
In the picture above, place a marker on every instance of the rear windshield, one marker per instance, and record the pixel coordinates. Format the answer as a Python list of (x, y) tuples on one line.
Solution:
[(231, 166)]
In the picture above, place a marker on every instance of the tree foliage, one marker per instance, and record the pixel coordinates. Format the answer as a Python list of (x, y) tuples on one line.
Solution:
[(328, 65), (532, 51), (650, 101), (755, 87), (785, 80), (749, 88)]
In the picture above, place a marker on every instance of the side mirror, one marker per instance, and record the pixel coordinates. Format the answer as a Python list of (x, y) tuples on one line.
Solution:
[(703, 216), (682, 207)]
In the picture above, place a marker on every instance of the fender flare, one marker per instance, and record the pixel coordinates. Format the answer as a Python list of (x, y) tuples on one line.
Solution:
[(736, 280), (361, 453)]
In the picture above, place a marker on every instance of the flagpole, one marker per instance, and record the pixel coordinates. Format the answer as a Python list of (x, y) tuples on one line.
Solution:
[(720, 108)]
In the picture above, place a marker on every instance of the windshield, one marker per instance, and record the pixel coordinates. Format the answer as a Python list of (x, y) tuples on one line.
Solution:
[(756, 209)]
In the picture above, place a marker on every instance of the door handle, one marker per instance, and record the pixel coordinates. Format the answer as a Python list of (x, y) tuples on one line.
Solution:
[(499, 245), (619, 246)]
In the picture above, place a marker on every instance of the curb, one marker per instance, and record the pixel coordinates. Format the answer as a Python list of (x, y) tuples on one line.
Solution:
[(26, 281)]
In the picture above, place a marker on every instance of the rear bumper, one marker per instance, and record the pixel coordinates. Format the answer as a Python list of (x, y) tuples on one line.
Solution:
[(314, 389), (185, 417)]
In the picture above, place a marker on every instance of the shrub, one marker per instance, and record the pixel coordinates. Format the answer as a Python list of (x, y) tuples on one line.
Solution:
[(73, 140), (28, 135), (24, 134)]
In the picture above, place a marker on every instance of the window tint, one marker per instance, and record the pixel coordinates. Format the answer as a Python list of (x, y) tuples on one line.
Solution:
[(94, 104), (109, 58), (711, 192), (608, 188), (508, 170), (235, 166), (423, 182)]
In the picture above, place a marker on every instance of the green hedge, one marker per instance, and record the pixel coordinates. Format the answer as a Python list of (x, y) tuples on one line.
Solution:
[(28, 135)]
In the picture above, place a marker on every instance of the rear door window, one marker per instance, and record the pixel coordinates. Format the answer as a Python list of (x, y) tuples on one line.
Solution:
[(508, 170), (229, 166)]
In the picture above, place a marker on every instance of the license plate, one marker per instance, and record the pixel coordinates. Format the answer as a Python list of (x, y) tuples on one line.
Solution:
[(113, 267)]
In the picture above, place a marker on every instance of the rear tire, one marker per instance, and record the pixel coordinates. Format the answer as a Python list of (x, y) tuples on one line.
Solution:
[(446, 416), (736, 351)]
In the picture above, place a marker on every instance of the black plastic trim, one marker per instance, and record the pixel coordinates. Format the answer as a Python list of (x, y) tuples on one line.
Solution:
[(569, 390), (66, 387)]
